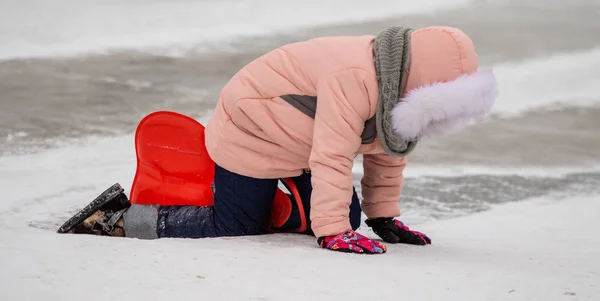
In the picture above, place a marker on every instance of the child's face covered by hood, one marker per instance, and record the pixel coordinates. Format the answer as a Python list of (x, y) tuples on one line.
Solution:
[(444, 88), (439, 54)]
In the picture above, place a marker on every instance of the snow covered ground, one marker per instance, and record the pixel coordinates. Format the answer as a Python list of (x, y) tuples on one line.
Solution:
[(538, 249), (69, 27), (541, 249)]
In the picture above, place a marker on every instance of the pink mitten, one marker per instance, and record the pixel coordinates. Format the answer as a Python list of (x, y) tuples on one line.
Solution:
[(351, 242)]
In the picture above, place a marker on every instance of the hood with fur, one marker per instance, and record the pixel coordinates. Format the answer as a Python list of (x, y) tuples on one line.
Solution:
[(444, 87), (439, 108)]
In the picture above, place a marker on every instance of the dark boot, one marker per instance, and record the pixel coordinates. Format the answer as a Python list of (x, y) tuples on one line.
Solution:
[(103, 216)]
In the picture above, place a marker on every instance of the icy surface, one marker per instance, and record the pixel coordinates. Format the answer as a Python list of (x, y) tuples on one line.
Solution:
[(534, 250), (73, 27)]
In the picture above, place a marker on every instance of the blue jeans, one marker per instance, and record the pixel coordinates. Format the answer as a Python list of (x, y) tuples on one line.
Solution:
[(241, 207)]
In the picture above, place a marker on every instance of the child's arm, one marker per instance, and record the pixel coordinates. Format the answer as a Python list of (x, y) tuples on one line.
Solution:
[(381, 185), (343, 105)]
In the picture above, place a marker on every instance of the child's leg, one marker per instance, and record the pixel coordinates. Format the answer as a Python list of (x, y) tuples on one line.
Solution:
[(304, 186), (241, 207), (355, 211), (242, 204)]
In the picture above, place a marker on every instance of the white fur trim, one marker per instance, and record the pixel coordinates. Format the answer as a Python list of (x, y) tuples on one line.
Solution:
[(439, 108)]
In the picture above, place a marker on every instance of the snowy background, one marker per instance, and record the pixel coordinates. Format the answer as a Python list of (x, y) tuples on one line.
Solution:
[(510, 203)]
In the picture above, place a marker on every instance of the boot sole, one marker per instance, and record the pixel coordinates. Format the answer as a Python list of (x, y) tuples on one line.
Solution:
[(104, 198)]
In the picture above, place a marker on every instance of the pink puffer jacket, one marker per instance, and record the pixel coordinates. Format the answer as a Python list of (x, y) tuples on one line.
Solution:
[(259, 128)]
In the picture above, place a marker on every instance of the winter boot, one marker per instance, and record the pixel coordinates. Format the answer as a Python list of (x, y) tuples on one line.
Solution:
[(103, 216)]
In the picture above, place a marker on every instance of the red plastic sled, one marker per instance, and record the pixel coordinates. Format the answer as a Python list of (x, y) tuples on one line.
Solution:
[(174, 168)]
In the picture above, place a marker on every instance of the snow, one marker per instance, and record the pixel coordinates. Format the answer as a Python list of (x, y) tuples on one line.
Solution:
[(543, 83), (534, 250), (540, 249), (73, 27)]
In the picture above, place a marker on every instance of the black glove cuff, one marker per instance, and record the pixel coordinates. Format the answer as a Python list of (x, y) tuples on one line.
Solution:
[(378, 222)]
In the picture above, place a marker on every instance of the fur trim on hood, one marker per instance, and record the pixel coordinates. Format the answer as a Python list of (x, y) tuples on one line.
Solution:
[(440, 108)]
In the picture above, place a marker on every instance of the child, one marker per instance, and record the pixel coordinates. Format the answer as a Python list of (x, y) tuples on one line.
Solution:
[(305, 111)]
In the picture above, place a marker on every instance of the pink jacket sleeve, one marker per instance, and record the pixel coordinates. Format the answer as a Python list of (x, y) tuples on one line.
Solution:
[(342, 108), (381, 185)]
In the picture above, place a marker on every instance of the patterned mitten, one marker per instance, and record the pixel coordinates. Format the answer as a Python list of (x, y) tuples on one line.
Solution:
[(351, 242), (394, 231)]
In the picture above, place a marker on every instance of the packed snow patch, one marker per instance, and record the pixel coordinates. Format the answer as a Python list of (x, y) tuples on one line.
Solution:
[(534, 250)]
